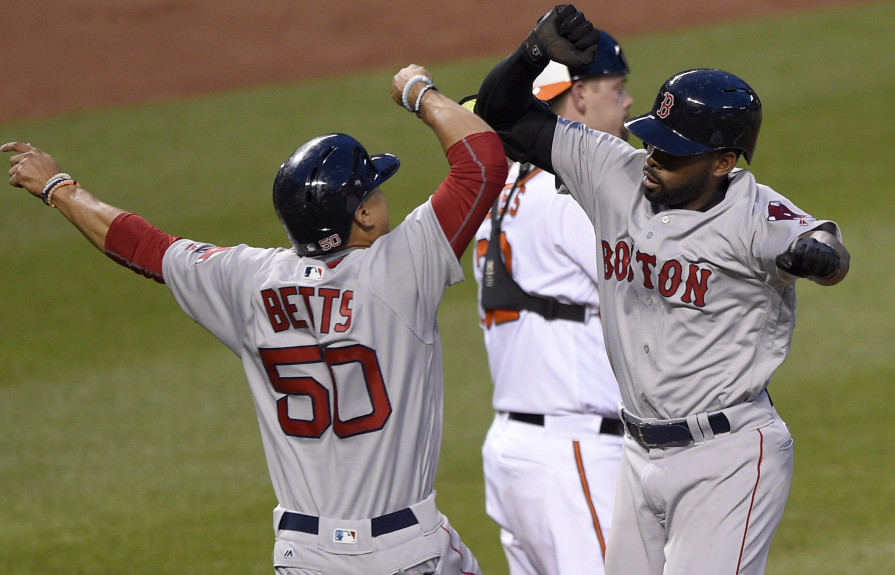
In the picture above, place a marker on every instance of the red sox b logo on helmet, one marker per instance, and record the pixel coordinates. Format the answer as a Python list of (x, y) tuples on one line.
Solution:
[(665, 106)]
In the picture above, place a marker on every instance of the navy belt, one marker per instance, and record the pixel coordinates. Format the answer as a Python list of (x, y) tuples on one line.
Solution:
[(609, 426), (378, 525), (677, 434)]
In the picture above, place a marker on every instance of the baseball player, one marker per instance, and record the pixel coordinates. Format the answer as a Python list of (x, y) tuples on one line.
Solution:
[(337, 336), (697, 265), (551, 455)]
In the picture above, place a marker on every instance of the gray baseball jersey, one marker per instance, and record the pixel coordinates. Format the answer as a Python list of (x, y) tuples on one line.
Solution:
[(698, 314), (350, 428)]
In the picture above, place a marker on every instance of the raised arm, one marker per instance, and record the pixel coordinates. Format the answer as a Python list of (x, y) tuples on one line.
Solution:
[(505, 101), (476, 156)]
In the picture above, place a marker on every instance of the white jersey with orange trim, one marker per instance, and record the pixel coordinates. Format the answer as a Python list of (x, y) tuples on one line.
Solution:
[(551, 455), (539, 365)]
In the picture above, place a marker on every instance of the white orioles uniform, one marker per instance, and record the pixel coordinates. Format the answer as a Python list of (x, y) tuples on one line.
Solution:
[(550, 472)]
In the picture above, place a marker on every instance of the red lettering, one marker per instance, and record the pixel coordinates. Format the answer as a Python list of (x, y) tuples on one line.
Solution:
[(290, 308), (274, 308), (345, 311), (647, 263), (623, 261), (697, 285), (328, 295), (670, 278), (608, 266), (306, 293)]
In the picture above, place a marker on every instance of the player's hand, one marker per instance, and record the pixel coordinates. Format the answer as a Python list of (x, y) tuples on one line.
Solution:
[(402, 77), (809, 257), (563, 35), (31, 167)]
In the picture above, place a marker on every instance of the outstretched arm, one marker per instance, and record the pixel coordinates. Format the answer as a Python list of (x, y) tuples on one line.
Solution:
[(33, 168), (817, 255), (126, 238), (505, 101)]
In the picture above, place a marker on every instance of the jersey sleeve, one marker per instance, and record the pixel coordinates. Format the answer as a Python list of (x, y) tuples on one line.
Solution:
[(461, 202), (136, 244), (213, 285), (778, 223)]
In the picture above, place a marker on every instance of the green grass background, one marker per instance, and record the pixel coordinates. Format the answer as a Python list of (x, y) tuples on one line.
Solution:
[(128, 441)]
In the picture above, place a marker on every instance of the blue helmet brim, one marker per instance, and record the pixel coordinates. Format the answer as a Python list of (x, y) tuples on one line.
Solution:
[(386, 165), (653, 132)]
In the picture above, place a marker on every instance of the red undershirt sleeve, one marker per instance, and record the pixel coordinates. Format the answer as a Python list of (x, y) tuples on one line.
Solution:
[(478, 173), (136, 244)]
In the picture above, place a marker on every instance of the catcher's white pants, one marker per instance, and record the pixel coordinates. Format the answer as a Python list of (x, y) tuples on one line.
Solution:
[(535, 480)]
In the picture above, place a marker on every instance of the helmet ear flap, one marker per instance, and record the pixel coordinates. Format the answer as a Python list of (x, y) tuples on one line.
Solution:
[(320, 186)]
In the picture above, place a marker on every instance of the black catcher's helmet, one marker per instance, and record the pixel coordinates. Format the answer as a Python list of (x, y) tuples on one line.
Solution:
[(699, 111), (319, 187)]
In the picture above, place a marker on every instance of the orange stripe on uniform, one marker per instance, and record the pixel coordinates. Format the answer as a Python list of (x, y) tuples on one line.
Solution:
[(590, 503)]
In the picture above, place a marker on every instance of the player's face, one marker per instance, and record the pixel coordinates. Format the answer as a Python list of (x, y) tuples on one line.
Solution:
[(683, 182), (377, 206), (607, 104)]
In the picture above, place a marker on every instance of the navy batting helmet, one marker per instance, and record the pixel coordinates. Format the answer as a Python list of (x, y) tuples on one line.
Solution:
[(699, 111), (319, 187)]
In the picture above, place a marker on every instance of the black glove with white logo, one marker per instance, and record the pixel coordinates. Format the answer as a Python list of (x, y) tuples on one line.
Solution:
[(809, 257), (563, 35)]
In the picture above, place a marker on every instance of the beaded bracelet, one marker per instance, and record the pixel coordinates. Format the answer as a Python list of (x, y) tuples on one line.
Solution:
[(49, 200), (405, 99), (419, 98), (51, 183)]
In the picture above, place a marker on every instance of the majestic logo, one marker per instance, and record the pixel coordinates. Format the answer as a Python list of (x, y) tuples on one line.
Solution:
[(778, 211), (666, 105), (348, 536)]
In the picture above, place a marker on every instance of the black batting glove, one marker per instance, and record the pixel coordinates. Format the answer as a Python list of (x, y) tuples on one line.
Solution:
[(563, 35), (809, 257)]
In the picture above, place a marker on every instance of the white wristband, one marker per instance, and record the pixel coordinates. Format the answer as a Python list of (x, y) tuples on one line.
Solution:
[(405, 97)]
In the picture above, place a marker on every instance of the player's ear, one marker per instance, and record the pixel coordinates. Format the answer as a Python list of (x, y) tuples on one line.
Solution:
[(725, 161), (363, 217)]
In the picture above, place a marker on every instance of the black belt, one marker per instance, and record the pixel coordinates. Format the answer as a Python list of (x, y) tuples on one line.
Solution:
[(609, 426), (378, 525), (652, 435)]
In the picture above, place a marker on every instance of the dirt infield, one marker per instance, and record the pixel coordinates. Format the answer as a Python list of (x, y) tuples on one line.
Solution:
[(80, 54)]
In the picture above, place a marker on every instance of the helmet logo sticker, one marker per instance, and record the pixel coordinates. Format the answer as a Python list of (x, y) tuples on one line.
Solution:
[(665, 106)]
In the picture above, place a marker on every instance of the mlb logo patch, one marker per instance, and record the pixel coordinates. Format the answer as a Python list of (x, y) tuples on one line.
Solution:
[(345, 536), (313, 273)]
